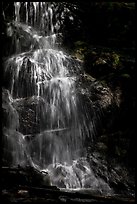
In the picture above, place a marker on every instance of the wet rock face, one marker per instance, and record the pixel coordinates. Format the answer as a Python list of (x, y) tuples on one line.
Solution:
[(20, 114), (111, 173), (78, 174), (10, 115), (29, 120), (18, 38)]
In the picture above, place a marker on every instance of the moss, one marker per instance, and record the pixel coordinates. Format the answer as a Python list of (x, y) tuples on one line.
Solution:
[(115, 60), (80, 44), (103, 82), (80, 49), (126, 76), (120, 152)]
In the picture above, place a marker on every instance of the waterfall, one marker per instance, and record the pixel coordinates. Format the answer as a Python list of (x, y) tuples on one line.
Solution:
[(42, 76)]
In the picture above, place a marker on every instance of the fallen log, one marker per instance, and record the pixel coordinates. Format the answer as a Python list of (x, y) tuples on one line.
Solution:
[(81, 195), (64, 196)]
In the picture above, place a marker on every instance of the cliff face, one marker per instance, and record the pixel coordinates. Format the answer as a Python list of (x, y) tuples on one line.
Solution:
[(105, 42)]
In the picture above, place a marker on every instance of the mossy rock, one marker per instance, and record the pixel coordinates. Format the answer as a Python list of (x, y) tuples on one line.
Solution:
[(79, 50), (126, 76)]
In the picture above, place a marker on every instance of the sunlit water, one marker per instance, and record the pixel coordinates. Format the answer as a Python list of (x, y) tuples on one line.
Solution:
[(47, 74)]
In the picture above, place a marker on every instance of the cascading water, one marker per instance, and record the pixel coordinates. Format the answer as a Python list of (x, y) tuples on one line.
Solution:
[(45, 74)]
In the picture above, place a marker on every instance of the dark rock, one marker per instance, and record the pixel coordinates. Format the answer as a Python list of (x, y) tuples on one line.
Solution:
[(26, 176), (29, 114)]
